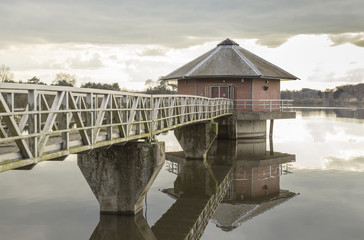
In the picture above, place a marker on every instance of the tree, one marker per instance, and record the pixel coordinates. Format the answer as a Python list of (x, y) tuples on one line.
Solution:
[(35, 80), (160, 87), (106, 86), (338, 93), (5, 74), (64, 79)]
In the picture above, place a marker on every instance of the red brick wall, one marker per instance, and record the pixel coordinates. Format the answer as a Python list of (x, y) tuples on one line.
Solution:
[(273, 91), (242, 89), (187, 87)]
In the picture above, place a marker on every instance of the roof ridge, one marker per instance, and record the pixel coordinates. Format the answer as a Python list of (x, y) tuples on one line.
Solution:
[(183, 66), (269, 63), (246, 60), (203, 61)]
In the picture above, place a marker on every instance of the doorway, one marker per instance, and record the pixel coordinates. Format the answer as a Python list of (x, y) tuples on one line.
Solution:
[(221, 92)]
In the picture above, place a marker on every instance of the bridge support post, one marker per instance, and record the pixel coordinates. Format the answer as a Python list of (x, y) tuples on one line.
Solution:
[(121, 175), (195, 139)]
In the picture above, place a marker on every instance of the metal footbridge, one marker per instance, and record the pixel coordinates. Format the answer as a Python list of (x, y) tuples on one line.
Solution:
[(40, 123)]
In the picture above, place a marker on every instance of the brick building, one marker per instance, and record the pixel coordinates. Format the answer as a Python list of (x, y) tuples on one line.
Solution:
[(230, 71)]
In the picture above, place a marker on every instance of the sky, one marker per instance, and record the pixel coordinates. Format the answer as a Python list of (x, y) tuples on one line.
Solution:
[(128, 42)]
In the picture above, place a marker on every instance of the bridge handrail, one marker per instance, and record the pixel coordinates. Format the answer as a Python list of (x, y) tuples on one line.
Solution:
[(270, 105), (31, 116)]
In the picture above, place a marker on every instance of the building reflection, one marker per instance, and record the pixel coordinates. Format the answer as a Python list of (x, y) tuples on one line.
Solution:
[(236, 182), (256, 184)]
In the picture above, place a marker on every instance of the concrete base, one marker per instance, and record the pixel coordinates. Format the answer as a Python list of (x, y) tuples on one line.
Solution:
[(249, 124), (233, 128), (195, 139), (121, 175)]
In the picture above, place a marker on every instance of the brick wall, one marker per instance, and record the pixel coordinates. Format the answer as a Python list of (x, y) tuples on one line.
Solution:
[(273, 91), (241, 90), (187, 87)]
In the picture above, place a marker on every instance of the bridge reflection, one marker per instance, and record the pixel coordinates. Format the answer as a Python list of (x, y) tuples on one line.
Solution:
[(237, 181)]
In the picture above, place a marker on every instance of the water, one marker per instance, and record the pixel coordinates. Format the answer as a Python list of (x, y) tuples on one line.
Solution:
[(53, 201)]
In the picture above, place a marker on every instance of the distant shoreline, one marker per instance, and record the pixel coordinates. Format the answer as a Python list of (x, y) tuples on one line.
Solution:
[(326, 103)]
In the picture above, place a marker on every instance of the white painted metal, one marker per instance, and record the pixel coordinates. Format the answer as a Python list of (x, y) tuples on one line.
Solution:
[(265, 105), (44, 122)]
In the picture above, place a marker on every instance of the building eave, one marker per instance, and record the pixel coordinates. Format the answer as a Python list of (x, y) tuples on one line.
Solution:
[(230, 77)]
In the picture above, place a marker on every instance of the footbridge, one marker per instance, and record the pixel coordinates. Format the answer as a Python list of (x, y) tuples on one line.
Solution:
[(41, 123)]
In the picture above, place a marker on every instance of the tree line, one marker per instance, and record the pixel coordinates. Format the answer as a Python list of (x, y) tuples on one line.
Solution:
[(61, 79), (345, 94), (159, 86)]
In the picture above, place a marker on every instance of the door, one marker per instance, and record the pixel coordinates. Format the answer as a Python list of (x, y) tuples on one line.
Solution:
[(214, 92), (220, 92), (224, 92)]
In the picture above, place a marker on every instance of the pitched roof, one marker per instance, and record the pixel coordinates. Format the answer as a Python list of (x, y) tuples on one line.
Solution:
[(228, 59)]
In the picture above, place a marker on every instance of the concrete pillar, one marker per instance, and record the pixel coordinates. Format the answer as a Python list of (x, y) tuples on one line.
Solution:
[(121, 175), (234, 128), (123, 227), (195, 139)]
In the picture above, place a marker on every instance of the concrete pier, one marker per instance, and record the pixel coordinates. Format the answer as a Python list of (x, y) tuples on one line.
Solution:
[(121, 175), (195, 139), (249, 124)]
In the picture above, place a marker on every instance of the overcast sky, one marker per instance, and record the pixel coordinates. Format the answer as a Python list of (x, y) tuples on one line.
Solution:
[(128, 42)]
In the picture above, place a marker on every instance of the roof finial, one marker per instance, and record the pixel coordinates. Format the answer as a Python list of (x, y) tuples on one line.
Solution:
[(227, 41)]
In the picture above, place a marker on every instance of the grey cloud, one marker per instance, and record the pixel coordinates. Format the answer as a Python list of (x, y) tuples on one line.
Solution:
[(152, 52), (93, 63), (351, 76), (357, 39), (176, 23), (356, 163)]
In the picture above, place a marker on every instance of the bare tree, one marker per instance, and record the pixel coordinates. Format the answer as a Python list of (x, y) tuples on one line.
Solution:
[(5, 74)]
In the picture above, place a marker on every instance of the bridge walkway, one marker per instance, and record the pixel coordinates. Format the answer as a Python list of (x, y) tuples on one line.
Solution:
[(39, 123)]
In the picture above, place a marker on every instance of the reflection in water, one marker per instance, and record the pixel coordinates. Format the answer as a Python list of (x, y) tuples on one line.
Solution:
[(256, 184), (333, 112), (123, 227), (242, 175), (53, 201), (198, 189)]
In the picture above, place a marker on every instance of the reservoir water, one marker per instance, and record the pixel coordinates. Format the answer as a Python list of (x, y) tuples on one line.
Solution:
[(318, 196)]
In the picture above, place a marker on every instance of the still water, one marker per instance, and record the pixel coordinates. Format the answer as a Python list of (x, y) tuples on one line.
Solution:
[(319, 196)]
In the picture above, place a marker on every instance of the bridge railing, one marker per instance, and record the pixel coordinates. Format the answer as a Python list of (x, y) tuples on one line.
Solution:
[(265, 105), (43, 122)]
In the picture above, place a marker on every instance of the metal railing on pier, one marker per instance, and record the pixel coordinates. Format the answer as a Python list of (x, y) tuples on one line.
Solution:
[(265, 105)]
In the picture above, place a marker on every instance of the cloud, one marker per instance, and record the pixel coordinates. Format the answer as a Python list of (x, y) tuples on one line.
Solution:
[(354, 163), (176, 23), (354, 38), (349, 76), (93, 62), (152, 52)]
